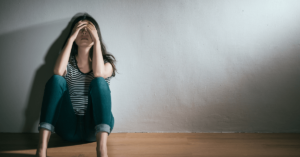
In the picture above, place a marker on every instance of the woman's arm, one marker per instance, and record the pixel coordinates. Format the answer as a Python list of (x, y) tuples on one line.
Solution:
[(62, 60), (99, 68)]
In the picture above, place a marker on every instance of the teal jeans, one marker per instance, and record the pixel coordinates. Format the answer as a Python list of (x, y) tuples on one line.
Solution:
[(58, 116)]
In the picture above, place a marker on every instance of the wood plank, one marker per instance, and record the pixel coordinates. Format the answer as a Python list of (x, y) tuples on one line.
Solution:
[(161, 145)]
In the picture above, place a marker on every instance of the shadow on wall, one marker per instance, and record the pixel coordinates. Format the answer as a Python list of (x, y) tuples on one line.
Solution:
[(42, 75)]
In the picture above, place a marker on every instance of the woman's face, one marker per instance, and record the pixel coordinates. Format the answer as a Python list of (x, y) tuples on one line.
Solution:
[(84, 38)]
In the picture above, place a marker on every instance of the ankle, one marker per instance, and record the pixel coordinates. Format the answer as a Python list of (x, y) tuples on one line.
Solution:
[(101, 146), (41, 153), (101, 152), (42, 148), (102, 149)]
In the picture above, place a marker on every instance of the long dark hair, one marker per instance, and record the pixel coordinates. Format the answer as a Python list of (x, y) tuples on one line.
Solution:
[(74, 51)]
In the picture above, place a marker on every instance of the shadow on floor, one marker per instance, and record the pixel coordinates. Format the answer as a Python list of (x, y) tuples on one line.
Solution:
[(28, 141)]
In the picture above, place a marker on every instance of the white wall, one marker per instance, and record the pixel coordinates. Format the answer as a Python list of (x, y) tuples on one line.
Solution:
[(184, 66)]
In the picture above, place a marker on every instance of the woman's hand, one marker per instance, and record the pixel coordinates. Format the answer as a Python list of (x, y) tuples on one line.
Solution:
[(93, 32), (79, 25)]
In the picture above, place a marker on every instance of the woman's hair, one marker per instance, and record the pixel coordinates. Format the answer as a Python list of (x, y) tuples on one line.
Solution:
[(106, 55)]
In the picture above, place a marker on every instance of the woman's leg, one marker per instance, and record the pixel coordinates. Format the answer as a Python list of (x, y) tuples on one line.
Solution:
[(44, 137), (53, 92), (99, 120), (68, 123), (55, 106)]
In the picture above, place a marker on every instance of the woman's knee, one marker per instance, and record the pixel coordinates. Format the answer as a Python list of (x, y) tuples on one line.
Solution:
[(99, 83), (56, 79)]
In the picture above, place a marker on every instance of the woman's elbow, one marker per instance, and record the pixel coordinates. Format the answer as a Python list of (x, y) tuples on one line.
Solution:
[(98, 75), (57, 72)]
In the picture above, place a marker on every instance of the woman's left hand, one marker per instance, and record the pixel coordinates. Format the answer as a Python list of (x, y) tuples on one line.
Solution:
[(93, 32)]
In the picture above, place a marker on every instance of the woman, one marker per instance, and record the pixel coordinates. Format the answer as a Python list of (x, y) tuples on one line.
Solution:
[(77, 101)]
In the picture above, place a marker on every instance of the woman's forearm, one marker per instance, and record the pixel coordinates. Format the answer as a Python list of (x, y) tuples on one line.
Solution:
[(98, 62), (62, 59)]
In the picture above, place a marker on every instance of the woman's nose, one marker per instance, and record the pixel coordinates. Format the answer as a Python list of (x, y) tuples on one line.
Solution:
[(84, 30)]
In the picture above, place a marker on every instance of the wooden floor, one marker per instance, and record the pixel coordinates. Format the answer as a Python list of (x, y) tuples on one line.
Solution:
[(161, 145)]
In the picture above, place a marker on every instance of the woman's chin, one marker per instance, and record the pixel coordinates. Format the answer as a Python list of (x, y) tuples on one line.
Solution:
[(86, 44)]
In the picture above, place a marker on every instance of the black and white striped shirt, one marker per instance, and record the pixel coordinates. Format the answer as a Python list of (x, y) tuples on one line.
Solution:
[(78, 84)]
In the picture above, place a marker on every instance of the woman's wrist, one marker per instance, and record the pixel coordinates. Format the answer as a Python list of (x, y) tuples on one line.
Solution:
[(71, 40), (97, 43)]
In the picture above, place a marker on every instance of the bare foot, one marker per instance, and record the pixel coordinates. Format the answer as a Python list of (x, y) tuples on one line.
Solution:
[(102, 152)]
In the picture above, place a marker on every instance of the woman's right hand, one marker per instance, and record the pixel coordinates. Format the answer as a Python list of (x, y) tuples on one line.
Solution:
[(78, 26)]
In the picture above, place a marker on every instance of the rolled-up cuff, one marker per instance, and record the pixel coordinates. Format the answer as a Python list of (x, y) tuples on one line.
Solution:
[(102, 127), (47, 126)]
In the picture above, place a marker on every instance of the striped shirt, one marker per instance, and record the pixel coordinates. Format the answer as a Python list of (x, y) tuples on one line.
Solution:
[(78, 84)]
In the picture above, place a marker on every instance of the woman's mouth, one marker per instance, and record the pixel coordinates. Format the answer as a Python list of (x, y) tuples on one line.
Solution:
[(84, 38)]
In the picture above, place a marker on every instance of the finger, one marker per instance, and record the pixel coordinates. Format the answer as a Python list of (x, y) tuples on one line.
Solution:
[(89, 30), (79, 28), (81, 24), (92, 25), (78, 23), (89, 27)]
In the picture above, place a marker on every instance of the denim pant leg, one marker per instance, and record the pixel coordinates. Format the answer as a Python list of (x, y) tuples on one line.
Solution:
[(68, 125), (57, 114), (54, 89), (98, 115)]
